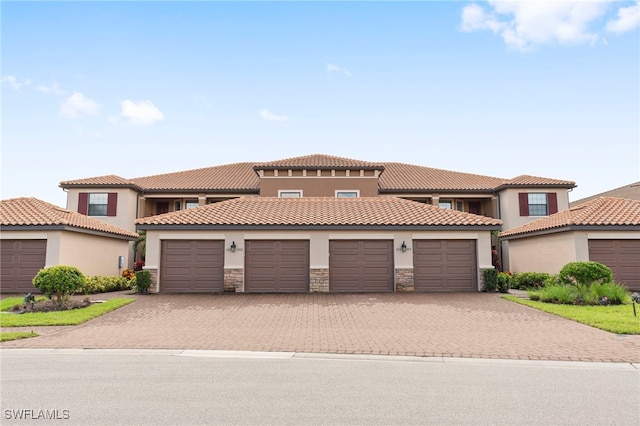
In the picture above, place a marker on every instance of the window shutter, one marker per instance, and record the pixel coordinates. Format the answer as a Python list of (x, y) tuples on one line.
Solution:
[(523, 197), (112, 204), (83, 203), (552, 200)]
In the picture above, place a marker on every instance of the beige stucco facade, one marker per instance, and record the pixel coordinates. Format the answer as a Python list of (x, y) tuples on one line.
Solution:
[(92, 254), (510, 205), (127, 207), (318, 245)]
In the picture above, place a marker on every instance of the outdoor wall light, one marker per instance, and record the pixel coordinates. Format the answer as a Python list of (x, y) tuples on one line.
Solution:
[(233, 247), (403, 247)]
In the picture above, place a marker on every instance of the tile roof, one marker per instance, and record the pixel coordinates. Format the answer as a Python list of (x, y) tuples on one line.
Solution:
[(111, 180), (320, 211), (35, 213), (318, 161), (527, 180), (603, 211), (631, 192), (409, 177), (228, 177)]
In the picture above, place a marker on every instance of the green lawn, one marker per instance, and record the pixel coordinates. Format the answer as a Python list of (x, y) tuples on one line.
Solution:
[(10, 302), (5, 337), (617, 319), (72, 317)]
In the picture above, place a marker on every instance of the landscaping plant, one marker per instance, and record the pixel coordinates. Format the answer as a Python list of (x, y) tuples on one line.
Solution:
[(490, 280), (505, 282), (143, 281), (531, 280), (59, 281)]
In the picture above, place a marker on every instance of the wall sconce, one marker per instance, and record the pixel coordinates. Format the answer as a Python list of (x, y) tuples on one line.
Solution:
[(233, 247), (403, 247)]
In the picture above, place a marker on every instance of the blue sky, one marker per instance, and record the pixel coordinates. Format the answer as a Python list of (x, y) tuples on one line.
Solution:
[(500, 89)]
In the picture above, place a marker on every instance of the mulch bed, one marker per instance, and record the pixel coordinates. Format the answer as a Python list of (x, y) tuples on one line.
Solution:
[(50, 305)]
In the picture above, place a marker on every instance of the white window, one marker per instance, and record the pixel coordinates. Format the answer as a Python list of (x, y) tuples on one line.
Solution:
[(285, 193), (538, 205), (189, 204), (445, 204), (98, 204), (348, 194)]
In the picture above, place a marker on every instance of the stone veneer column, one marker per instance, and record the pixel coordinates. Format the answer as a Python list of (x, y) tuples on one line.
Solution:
[(154, 279), (234, 280), (404, 279), (319, 280)]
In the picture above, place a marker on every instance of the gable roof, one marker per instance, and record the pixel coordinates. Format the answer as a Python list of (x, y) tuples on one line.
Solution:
[(34, 214), (321, 212), (600, 213), (318, 161), (631, 192), (243, 177)]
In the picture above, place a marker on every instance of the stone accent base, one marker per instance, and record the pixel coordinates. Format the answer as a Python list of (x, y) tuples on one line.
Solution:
[(404, 279), (234, 280), (319, 280), (154, 288), (481, 277)]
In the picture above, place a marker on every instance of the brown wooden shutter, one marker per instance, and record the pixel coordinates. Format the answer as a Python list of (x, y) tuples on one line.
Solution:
[(552, 201), (523, 197), (112, 204), (83, 203)]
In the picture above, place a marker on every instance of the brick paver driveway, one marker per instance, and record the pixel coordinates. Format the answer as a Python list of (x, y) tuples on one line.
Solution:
[(474, 325)]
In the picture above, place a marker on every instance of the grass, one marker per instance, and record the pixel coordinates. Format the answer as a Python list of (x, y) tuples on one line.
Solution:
[(10, 302), (5, 337), (617, 319), (72, 317)]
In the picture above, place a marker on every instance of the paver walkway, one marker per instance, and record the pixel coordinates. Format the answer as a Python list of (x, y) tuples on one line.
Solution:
[(472, 325)]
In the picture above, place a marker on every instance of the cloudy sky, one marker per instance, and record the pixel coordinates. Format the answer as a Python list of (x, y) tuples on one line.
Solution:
[(495, 88)]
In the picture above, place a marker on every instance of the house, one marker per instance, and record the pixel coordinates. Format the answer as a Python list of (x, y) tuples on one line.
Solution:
[(319, 182), (36, 234), (603, 229), (630, 192)]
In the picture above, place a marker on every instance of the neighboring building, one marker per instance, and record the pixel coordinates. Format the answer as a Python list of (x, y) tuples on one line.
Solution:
[(36, 234), (604, 229), (121, 201), (630, 192)]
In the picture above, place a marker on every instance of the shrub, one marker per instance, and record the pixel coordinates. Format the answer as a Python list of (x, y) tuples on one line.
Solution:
[(61, 281), (505, 282), (128, 274), (584, 273), (490, 280), (101, 284), (531, 280), (613, 293), (143, 281), (554, 293)]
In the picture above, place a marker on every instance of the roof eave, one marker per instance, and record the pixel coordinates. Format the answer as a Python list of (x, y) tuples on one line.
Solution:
[(101, 185), (151, 227), (488, 191), (567, 228), (68, 228), (201, 190), (537, 185)]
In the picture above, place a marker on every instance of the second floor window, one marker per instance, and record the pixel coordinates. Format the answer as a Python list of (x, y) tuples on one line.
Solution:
[(347, 194), (98, 204), (289, 194)]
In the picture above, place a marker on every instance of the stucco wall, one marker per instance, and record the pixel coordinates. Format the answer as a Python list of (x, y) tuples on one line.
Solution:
[(92, 254), (546, 253), (126, 210), (313, 186), (510, 205)]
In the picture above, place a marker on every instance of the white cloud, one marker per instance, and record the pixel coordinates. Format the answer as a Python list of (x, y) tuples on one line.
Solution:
[(54, 88), (143, 112), (14, 83), (526, 24), (628, 19), (333, 68), (269, 116), (77, 104)]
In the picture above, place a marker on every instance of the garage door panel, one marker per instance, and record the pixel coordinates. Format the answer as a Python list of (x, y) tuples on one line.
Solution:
[(192, 266), (360, 265), (622, 256), (20, 262), (445, 265), (277, 266)]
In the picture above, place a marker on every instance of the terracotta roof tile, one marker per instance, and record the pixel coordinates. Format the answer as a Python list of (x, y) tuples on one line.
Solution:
[(630, 192), (409, 177), (33, 212), (320, 211), (113, 180), (228, 177), (318, 161), (527, 180), (603, 211)]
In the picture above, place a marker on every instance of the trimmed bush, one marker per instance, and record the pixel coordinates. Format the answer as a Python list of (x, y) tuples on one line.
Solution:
[(143, 281), (59, 281), (101, 284), (531, 280), (584, 273), (505, 282), (490, 280)]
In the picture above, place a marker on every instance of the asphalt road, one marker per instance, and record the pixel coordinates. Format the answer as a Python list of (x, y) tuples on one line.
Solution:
[(151, 387)]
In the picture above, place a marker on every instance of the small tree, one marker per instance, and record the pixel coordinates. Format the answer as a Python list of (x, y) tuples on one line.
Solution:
[(59, 281), (584, 274)]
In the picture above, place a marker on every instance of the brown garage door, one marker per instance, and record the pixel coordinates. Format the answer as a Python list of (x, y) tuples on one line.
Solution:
[(192, 266), (21, 261), (360, 265), (622, 256), (445, 265), (277, 266)]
